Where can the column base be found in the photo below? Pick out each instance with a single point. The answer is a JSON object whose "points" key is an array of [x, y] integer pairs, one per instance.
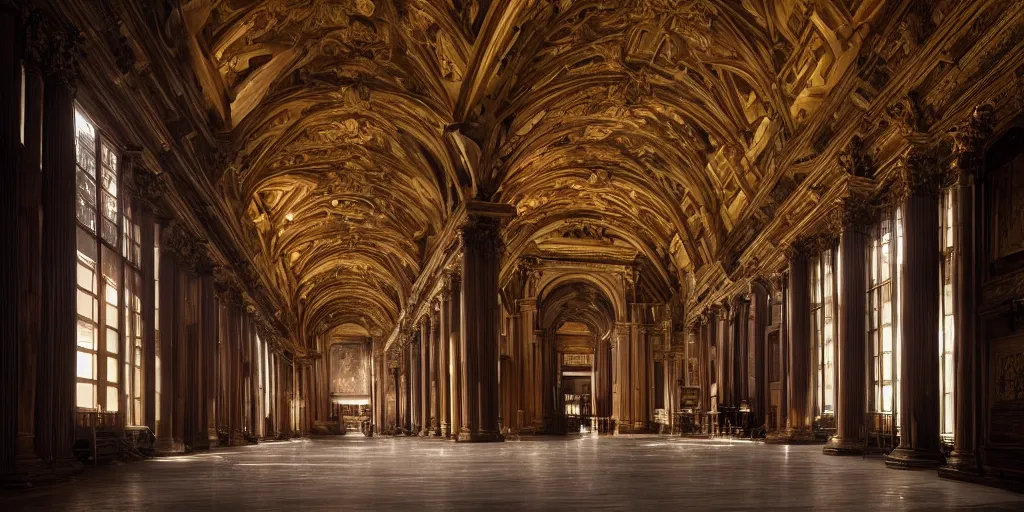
{"points": [[480, 437], [791, 436], [165, 447], [65, 468], [837, 446], [908, 458], [212, 438], [29, 468], [961, 463]]}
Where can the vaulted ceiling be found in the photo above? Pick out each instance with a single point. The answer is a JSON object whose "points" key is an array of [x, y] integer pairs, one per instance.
{"points": [[647, 130]]}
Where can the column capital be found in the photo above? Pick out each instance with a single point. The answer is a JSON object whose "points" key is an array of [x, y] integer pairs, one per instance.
{"points": [[969, 145], [853, 212], [452, 281], [919, 173], [189, 250], [800, 247], [855, 161], [53, 49]]}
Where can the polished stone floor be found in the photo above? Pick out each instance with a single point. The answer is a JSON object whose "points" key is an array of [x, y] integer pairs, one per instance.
{"points": [[622, 473]]}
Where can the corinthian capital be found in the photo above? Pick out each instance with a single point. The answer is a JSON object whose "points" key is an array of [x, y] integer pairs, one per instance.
{"points": [[969, 143], [918, 173], [53, 49], [853, 212]]}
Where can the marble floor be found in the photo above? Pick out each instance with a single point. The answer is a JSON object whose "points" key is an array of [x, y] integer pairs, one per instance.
{"points": [[621, 473]]}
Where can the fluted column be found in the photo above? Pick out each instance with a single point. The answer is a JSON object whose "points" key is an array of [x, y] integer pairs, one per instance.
{"points": [[422, 357], [919, 318], [208, 348], [798, 417], [55, 379], [530, 387], [435, 366], [30, 271], [851, 219], [481, 261], [10, 179], [969, 144], [444, 391], [454, 283]]}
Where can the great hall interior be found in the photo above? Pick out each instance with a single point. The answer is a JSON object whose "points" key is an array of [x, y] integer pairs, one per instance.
{"points": [[757, 233]]}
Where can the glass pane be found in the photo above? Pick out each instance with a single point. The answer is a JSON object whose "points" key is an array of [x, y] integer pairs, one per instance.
{"points": [[86, 365], [111, 318], [109, 207], [86, 335], [109, 168], [85, 143], [112, 370], [86, 395], [109, 232], [112, 338], [85, 201], [87, 306], [112, 398]]}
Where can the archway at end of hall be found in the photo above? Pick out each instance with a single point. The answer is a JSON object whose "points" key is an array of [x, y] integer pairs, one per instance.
{"points": [[577, 320]]}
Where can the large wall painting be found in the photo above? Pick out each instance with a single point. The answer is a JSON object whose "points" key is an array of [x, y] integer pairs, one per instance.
{"points": [[349, 371]]}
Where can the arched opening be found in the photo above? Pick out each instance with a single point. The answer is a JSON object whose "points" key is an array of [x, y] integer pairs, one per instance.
{"points": [[577, 320]]}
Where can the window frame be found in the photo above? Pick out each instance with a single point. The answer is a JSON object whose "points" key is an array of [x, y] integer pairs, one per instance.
{"points": [[108, 266]]}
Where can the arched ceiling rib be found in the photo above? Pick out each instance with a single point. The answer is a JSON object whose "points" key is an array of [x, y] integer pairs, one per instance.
{"points": [[643, 128]]}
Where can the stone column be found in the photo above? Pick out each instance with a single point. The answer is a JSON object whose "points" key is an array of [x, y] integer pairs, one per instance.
{"points": [[741, 351], [412, 380], [55, 379], [529, 391], [969, 146], [435, 365], [10, 179], [481, 262], [30, 271], [208, 347], [851, 220], [444, 391], [798, 416], [454, 336], [424, 377], [919, 315]]}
